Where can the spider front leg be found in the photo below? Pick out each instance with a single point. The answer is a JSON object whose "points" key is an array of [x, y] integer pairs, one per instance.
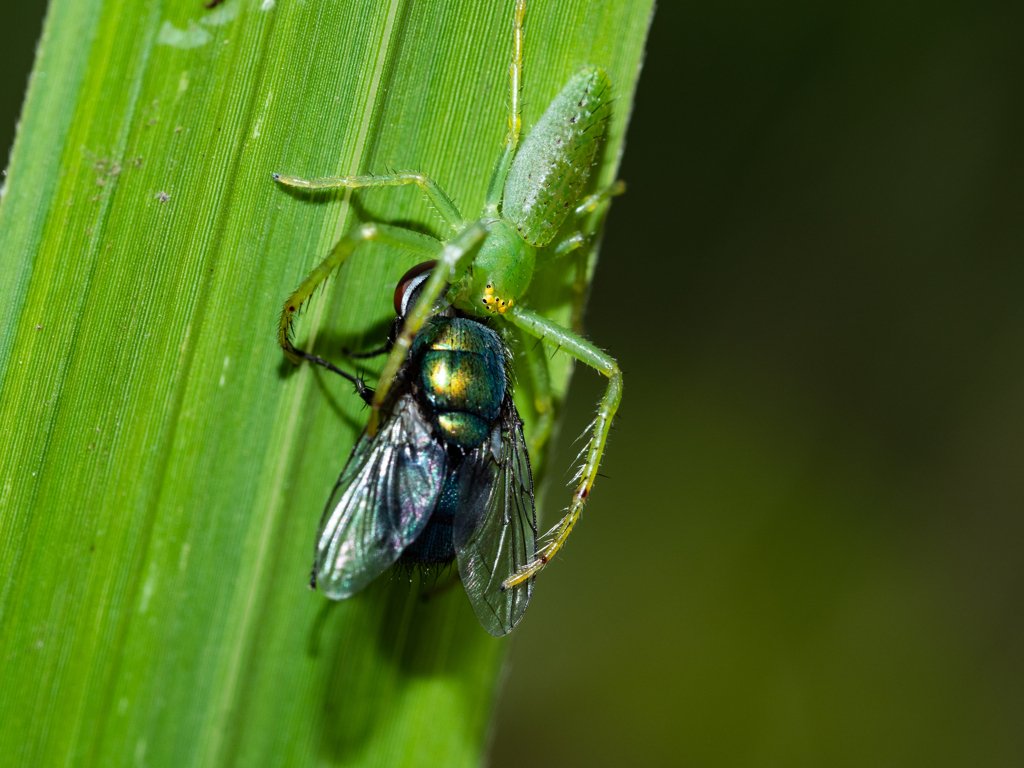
{"points": [[585, 352], [456, 256], [437, 196], [515, 120], [406, 239], [578, 239]]}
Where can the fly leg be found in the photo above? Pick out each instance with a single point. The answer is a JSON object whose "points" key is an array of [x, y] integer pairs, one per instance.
{"points": [[364, 392], [361, 389], [408, 240], [364, 355], [585, 352], [448, 210], [578, 239], [453, 260]]}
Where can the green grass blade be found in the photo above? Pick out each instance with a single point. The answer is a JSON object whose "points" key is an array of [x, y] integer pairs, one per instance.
{"points": [[162, 470]]}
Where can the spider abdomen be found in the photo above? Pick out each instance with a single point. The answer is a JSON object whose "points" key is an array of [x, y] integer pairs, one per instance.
{"points": [[553, 165]]}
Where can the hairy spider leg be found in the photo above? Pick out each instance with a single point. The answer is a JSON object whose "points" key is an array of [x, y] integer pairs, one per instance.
{"points": [[515, 120], [585, 352], [578, 239], [448, 210], [406, 239], [453, 261]]}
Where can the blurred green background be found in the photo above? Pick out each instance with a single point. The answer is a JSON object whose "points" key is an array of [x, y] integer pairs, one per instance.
{"points": [[808, 551]]}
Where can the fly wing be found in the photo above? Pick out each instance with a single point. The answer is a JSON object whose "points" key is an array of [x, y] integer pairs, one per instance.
{"points": [[496, 524], [381, 503]]}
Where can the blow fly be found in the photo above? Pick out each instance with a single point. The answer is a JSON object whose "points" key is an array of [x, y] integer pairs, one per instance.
{"points": [[446, 477]]}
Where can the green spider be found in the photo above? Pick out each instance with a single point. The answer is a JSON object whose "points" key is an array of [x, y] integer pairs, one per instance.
{"points": [[485, 268]]}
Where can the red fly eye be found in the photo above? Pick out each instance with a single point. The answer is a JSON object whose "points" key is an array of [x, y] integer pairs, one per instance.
{"points": [[409, 280]]}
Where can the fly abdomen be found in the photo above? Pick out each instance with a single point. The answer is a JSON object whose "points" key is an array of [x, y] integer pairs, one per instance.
{"points": [[435, 544]]}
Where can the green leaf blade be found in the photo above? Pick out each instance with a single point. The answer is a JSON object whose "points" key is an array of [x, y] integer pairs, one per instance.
{"points": [[163, 471]]}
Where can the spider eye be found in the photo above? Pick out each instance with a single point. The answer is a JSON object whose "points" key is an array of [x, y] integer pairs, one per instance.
{"points": [[408, 287]]}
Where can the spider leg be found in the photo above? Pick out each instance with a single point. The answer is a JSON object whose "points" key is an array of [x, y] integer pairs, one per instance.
{"points": [[515, 119], [591, 203], [585, 352], [407, 239], [437, 196], [576, 242], [455, 257]]}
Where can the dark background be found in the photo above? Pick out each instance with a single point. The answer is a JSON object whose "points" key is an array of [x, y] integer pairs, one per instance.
{"points": [[808, 551]]}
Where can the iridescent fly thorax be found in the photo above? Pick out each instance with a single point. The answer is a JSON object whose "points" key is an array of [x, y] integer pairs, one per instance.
{"points": [[461, 373]]}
